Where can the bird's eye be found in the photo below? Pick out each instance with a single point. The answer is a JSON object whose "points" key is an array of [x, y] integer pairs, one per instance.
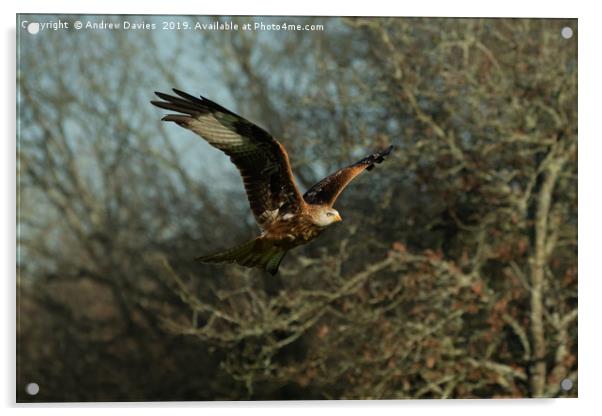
{"points": [[330, 214]]}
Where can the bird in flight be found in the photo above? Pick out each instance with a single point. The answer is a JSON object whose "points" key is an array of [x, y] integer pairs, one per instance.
{"points": [[285, 217]]}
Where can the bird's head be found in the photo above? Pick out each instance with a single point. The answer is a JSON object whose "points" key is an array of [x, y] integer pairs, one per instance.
{"points": [[326, 217]]}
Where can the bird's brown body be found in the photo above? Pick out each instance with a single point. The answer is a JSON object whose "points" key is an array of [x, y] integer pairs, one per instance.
{"points": [[295, 230], [286, 218]]}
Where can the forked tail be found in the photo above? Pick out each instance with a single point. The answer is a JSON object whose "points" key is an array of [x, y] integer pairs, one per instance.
{"points": [[254, 253]]}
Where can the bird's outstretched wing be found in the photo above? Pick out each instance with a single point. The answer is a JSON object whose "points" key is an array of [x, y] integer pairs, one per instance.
{"points": [[328, 189], [262, 161]]}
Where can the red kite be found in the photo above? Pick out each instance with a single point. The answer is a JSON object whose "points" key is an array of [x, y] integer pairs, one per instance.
{"points": [[286, 218]]}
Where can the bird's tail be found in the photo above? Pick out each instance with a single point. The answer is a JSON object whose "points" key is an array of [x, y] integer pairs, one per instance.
{"points": [[254, 253]]}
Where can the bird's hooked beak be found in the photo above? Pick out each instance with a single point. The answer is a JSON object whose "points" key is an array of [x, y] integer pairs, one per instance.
{"points": [[338, 218]]}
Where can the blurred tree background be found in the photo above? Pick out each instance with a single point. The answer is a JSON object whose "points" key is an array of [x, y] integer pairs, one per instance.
{"points": [[453, 275]]}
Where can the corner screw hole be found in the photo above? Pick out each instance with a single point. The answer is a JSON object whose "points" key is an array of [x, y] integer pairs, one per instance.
{"points": [[32, 389]]}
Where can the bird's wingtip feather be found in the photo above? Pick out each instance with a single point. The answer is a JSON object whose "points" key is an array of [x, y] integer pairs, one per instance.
{"points": [[187, 95]]}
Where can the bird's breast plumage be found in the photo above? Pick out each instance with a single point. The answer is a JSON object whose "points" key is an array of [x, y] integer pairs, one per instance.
{"points": [[292, 230]]}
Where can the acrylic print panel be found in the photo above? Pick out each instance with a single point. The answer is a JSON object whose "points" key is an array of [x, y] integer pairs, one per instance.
{"points": [[446, 269]]}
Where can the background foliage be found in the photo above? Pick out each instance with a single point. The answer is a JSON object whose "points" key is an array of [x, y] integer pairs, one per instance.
{"points": [[453, 275]]}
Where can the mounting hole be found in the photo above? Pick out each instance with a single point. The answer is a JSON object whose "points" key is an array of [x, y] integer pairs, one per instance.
{"points": [[566, 32], [32, 389], [566, 384], [33, 28]]}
